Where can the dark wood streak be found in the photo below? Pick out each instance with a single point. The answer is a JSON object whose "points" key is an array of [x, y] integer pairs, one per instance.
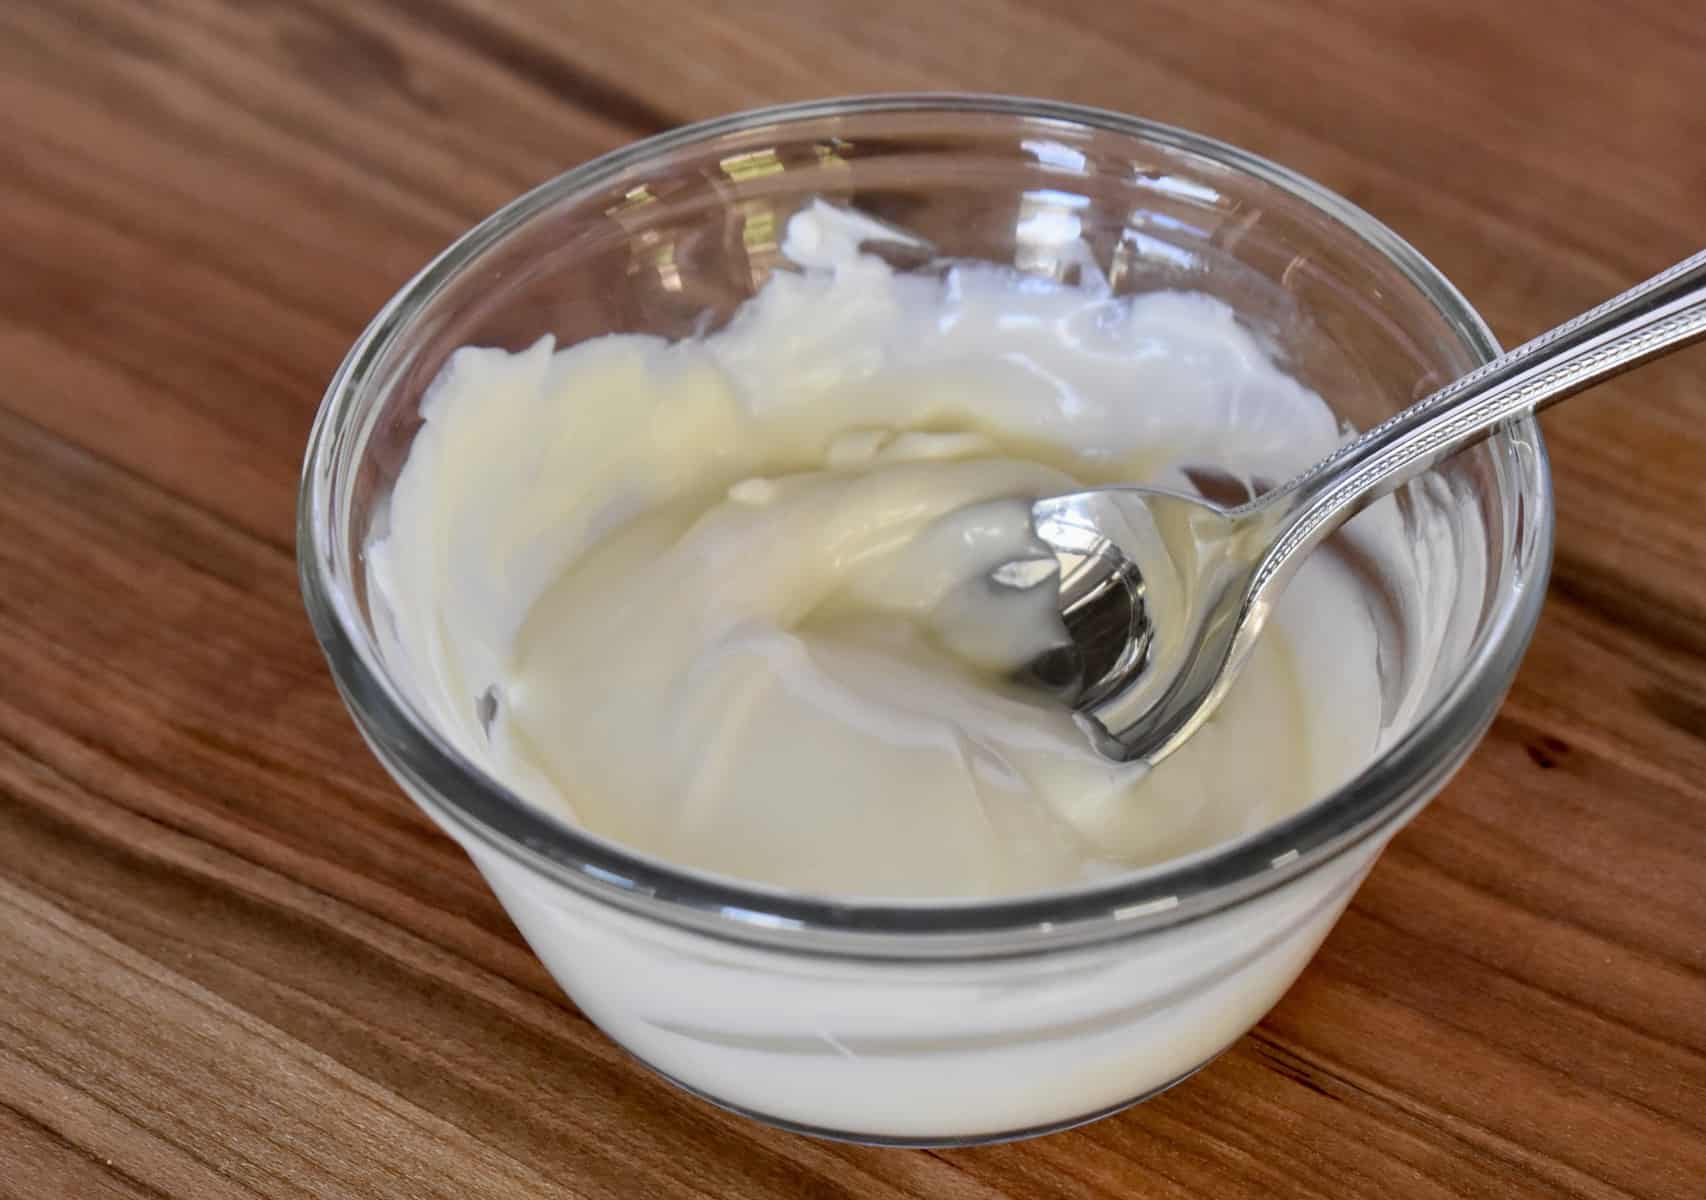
{"points": [[1680, 712], [514, 54], [66, 1164], [350, 59], [235, 962], [1629, 605]]}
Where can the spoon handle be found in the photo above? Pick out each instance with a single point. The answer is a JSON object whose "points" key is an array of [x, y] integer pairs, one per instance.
{"points": [[1650, 318]]}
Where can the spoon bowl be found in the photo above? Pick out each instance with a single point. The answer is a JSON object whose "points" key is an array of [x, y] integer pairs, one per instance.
{"points": [[1150, 589]]}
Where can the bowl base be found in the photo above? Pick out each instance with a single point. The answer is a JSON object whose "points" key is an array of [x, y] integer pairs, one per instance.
{"points": [[919, 1143]]}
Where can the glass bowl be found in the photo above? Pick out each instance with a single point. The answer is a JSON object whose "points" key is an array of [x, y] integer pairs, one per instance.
{"points": [[947, 1022]]}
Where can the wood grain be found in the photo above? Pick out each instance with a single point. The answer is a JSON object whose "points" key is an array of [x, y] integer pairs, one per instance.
{"points": [[234, 962]]}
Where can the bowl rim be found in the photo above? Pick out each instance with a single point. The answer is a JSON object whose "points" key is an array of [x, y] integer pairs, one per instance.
{"points": [[479, 811]]}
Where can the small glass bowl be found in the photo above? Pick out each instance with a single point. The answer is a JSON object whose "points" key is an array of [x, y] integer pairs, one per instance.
{"points": [[939, 1023]]}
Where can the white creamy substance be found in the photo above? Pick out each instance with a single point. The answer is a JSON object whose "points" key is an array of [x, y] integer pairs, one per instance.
{"points": [[725, 600]]}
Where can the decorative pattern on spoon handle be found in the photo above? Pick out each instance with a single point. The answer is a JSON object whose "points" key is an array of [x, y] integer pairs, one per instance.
{"points": [[1509, 361], [1668, 309]]}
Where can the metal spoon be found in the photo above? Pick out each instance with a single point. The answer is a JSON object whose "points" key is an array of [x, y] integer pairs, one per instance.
{"points": [[1164, 593]]}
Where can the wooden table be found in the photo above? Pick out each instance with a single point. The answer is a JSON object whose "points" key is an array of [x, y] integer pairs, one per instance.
{"points": [[234, 962]]}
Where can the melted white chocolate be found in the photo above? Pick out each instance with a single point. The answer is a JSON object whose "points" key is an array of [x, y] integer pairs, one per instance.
{"points": [[727, 601]]}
